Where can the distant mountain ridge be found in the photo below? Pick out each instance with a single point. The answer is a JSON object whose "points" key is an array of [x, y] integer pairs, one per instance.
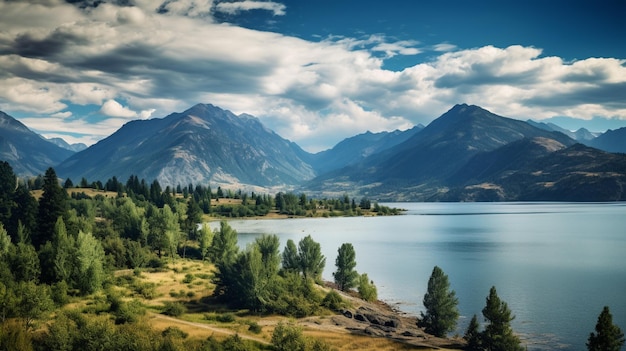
{"points": [[611, 141], [204, 144], [467, 154], [27, 152]]}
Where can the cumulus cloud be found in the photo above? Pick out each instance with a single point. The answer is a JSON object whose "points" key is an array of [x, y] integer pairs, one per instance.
{"points": [[113, 108], [235, 7], [165, 56]]}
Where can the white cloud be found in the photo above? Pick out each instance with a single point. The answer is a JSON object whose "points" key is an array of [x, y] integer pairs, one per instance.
{"points": [[315, 93], [113, 108], [235, 7]]}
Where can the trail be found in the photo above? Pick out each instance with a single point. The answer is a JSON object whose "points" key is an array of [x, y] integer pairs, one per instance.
{"points": [[209, 327]]}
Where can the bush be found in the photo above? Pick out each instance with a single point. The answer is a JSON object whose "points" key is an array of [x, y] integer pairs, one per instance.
{"points": [[129, 312], [255, 328], [188, 278], [174, 332], [174, 309], [225, 318], [333, 301], [147, 290]]}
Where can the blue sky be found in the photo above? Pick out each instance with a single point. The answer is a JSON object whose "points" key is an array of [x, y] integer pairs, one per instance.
{"points": [[316, 72]]}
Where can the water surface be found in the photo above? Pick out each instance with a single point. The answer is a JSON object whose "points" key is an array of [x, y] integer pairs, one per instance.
{"points": [[555, 264]]}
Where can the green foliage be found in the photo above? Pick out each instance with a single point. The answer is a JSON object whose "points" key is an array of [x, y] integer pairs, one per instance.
{"points": [[89, 264], [441, 305], [290, 257], [174, 309], [15, 336], [32, 301], [8, 181], [498, 334], [346, 276], [255, 328], [472, 335], [608, 336], [24, 263], [333, 301], [205, 239], [367, 289], [288, 337], [310, 258], [52, 205]]}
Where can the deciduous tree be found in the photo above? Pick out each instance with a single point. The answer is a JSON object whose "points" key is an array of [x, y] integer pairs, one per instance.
{"points": [[311, 260], [366, 288], [441, 305]]}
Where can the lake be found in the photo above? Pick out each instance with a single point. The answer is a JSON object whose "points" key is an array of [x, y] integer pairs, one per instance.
{"points": [[555, 264]]}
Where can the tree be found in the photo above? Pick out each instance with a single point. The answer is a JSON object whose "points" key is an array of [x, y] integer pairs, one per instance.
{"points": [[25, 264], [498, 334], [472, 335], [205, 238], [288, 337], [311, 260], [441, 305], [24, 214], [608, 336], [33, 301], [290, 257], [52, 205], [346, 276], [89, 264], [366, 288], [63, 251], [8, 183], [224, 247]]}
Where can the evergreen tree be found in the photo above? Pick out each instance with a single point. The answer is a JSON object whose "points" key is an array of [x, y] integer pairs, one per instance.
{"points": [[441, 305], [346, 276], [310, 257], [24, 213], [498, 334], [63, 251], [608, 336], [472, 335], [8, 183], [52, 205]]}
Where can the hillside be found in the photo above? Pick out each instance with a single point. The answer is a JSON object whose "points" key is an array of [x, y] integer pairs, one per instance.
{"points": [[611, 141], [28, 152]]}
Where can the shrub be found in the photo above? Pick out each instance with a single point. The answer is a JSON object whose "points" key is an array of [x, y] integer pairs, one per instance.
{"points": [[255, 328], [188, 278], [174, 309], [333, 301]]}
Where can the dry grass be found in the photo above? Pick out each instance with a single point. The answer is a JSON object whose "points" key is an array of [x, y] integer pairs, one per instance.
{"points": [[202, 319]]}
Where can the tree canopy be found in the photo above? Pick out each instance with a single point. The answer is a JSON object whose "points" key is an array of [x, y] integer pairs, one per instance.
{"points": [[441, 305], [608, 336]]}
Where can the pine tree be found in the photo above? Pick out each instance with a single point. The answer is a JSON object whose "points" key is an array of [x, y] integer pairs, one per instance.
{"points": [[472, 335], [346, 276], [52, 205], [608, 336], [8, 183], [441, 305], [498, 334]]}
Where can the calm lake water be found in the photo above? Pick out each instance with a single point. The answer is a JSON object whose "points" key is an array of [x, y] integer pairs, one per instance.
{"points": [[555, 264]]}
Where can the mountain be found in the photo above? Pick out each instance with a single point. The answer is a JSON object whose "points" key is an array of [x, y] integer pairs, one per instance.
{"points": [[28, 153], [582, 134], [204, 144], [353, 150], [423, 165], [64, 144], [611, 141]]}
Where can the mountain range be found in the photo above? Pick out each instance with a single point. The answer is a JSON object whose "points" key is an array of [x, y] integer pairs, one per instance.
{"points": [[467, 154]]}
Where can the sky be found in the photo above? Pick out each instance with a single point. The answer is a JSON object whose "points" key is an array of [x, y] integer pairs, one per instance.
{"points": [[314, 71]]}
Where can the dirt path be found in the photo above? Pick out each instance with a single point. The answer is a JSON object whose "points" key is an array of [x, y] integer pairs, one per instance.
{"points": [[208, 327]]}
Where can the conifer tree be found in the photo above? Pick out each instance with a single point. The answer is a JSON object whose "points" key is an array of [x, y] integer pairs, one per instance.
{"points": [[498, 334], [346, 276], [473, 335], [608, 336], [52, 205], [290, 257], [441, 305]]}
